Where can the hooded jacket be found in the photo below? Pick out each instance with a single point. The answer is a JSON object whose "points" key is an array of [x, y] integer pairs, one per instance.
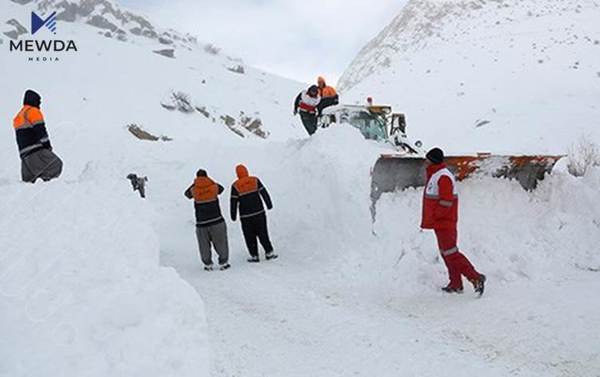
{"points": [[325, 90], [248, 193], [205, 193], [30, 127], [440, 199]]}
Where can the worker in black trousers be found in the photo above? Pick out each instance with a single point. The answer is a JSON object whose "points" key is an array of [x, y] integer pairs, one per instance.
{"points": [[248, 193]]}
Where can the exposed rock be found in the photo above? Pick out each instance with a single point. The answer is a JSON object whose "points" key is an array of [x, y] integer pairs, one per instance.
{"points": [[149, 33], [212, 49], [237, 69], [229, 121], [178, 101], [168, 52], [141, 134], [202, 110], [11, 34], [165, 41], [106, 15], [136, 31], [253, 125], [481, 123], [102, 23], [17, 31]]}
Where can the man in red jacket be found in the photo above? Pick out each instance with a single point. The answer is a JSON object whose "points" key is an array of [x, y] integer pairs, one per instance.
{"points": [[440, 213]]}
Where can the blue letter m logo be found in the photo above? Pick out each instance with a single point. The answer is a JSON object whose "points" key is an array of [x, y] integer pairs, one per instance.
{"points": [[37, 23]]}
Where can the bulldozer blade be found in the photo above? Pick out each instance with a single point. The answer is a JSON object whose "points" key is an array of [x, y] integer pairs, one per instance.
{"points": [[396, 172]]}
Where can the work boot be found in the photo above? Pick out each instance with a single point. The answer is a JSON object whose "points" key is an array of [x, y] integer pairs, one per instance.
{"points": [[253, 259], [449, 289], [479, 284], [271, 255]]}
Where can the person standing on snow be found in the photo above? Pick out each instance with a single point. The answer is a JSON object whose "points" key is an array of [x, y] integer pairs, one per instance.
{"points": [[210, 224], [307, 103], [37, 158], [329, 96], [440, 213], [249, 193]]}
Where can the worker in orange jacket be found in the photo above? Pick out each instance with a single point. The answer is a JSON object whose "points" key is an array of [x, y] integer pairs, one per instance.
{"points": [[211, 230], [440, 213], [37, 158], [329, 96], [248, 194]]}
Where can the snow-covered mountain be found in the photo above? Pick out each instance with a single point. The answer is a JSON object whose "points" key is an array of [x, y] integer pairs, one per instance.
{"points": [[501, 76], [95, 281], [197, 83], [110, 20]]}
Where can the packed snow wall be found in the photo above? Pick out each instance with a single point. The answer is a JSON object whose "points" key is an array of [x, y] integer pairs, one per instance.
{"points": [[81, 289]]}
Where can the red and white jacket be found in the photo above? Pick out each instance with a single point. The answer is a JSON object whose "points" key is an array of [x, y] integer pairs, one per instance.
{"points": [[440, 199], [307, 103]]}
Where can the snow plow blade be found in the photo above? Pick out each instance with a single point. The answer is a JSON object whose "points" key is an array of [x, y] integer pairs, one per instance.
{"points": [[395, 172]]}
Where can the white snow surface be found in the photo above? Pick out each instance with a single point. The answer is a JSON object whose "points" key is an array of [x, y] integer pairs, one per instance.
{"points": [[95, 282], [502, 76], [342, 301], [82, 292]]}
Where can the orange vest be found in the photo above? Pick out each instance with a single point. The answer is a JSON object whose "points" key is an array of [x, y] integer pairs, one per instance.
{"points": [[246, 185], [327, 91], [27, 117], [205, 190]]}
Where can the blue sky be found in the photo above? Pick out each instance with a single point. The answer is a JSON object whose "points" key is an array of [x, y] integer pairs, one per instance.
{"points": [[296, 39]]}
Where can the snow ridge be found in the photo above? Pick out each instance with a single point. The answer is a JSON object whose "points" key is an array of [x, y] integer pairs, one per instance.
{"points": [[504, 76], [423, 23]]}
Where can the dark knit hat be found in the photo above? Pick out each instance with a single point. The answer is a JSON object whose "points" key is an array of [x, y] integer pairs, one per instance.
{"points": [[31, 98], [436, 155], [201, 173]]}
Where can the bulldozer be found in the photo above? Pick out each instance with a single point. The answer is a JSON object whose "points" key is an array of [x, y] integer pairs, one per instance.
{"points": [[404, 166]]}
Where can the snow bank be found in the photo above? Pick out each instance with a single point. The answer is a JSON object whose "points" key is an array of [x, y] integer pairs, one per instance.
{"points": [[81, 290], [508, 233], [340, 290]]}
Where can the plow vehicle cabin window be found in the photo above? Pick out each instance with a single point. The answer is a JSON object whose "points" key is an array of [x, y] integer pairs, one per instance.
{"points": [[372, 126]]}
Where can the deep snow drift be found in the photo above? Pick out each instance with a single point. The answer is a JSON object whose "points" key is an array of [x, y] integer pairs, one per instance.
{"points": [[82, 291]]}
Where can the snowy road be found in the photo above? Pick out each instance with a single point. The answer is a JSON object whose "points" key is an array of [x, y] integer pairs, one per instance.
{"points": [[340, 302], [296, 317]]}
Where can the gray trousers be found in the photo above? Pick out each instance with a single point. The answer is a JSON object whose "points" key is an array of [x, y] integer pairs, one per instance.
{"points": [[215, 235], [42, 164]]}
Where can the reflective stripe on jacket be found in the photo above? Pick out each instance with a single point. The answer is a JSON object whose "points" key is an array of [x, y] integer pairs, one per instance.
{"points": [[248, 193], [205, 193], [30, 130], [440, 199]]}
